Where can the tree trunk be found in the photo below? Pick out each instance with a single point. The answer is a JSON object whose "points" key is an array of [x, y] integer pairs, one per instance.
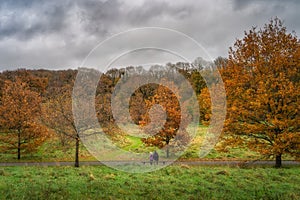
{"points": [[168, 152], [19, 145], [278, 163], [77, 153]]}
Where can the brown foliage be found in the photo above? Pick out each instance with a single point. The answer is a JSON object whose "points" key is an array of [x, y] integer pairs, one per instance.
{"points": [[20, 109], [262, 80], [166, 119]]}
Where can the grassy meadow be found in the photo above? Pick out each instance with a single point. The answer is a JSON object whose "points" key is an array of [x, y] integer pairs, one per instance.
{"points": [[173, 182], [52, 150]]}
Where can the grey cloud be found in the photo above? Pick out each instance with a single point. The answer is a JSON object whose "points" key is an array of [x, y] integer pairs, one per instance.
{"points": [[243, 4], [8, 4], [35, 32], [287, 10], [277, 5], [99, 16], [26, 19], [149, 11]]}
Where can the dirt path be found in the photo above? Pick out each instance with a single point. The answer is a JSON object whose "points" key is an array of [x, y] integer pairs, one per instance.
{"points": [[199, 163]]}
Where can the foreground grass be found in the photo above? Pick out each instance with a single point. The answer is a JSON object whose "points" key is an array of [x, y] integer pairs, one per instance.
{"points": [[174, 182]]}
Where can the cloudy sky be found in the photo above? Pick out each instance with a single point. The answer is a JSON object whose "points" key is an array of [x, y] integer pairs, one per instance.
{"points": [[60, 34]]}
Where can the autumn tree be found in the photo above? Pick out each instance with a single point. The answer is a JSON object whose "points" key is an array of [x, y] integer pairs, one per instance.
{"points": [[103, 98], [205, 106], [58, 116], [21, 129], [214, 87], [137, 103], [165, 120], [262, 81]]}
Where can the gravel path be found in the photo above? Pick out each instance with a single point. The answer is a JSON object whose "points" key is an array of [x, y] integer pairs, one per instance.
{"points": [[199, 163]]}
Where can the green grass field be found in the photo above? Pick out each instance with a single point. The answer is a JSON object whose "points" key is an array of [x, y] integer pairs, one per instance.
{"points": [[173, 182], [53, 151]]}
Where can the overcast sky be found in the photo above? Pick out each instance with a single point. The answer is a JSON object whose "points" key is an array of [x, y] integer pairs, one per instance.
{"points": [[59, 34]]}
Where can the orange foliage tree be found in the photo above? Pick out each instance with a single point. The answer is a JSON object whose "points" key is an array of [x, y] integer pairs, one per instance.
{"points": [[164, 128], [21, 130], [205, 106], [262, 81]]}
